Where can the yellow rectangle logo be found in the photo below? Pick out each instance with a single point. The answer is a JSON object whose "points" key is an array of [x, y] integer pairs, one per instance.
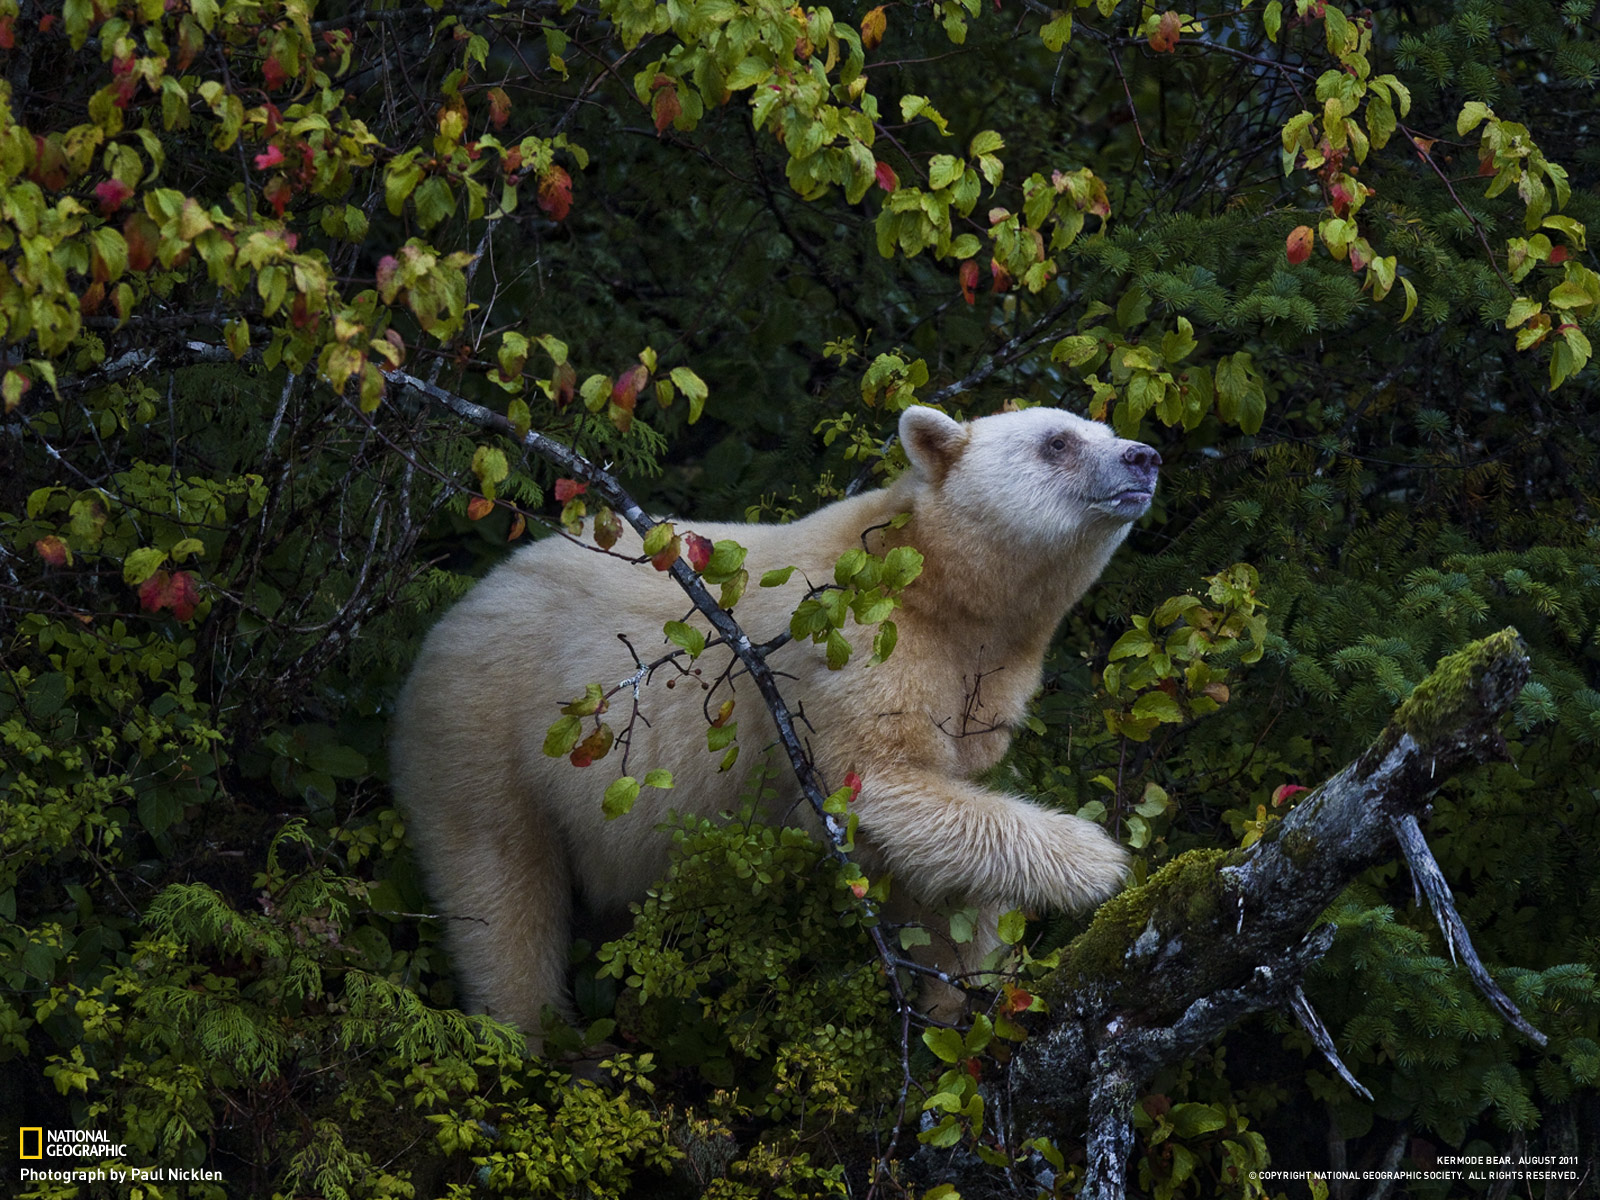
{"points": [[38, 1141]]}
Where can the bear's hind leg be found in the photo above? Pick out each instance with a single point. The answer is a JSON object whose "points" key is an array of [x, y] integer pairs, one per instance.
{"points": [[506, 891]]}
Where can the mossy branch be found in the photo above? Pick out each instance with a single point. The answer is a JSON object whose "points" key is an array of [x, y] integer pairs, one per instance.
{"points": [[1214, 935]]}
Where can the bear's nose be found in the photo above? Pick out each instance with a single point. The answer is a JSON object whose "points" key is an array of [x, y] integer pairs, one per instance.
{"points": [[1140, 455]]}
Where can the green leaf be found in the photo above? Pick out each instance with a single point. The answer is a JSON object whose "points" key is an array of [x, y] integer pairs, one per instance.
{"points": [[1192, 1120], [884, 641], [659, 537], [1157, 706], [561, 737], [1473, 113], [141, 564], [1057, 31], [342, 762], [986, 142], [947, 1044], [914, 935], [1521, 309], [943, 170], [1075, 350], [1136, 643], [619, 797], [777, 577], [685, 636], [1240, 395], [692, 386], [658, 778], [850, 562], [1013, 927], [727, 560], [838, 650]]}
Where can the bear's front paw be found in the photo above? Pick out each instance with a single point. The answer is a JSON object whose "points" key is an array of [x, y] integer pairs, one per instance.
{"points": [[1096, 866]]}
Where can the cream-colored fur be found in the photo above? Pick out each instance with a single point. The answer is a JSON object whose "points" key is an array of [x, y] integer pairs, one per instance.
{"points": [[1016, 515]]}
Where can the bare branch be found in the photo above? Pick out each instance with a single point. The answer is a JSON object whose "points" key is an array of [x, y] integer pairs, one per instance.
{"points": [[1425, 871]]}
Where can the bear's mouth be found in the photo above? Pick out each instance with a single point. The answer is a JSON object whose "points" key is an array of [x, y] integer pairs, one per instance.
{"points": [[1130, 502], [1130, 496]]}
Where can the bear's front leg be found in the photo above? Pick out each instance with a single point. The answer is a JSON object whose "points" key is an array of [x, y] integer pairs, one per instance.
{"points": [[947, 838]]}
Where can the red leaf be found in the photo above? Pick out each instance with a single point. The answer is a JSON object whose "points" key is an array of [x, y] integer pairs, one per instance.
{"points": [[853, 782], [112, 194], [1001, 276], [387, 266], [518, 524], [886, 177], [478, 508], [150, 592], [8, 39], [1165, 37], [49, 163], [698, 550], [54, 551], [1339, 197], [872, 28], [555, 193], [669, 555], [1558, 254], [144, 241], [278, 194], [859, 889], [969, 280], [564, 383], [499, 107], [272, 71], [182, 595], [625, 392], [566, 489], [607, 528], [1299, 244], [124, 83], [665, 107], [272, 157], [593, 747], [1289, 789], [1016, 1000], [47, 22], [175, 590]]}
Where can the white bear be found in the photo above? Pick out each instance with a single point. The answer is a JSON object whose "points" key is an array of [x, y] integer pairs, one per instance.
{"points": [[1015, 514]]}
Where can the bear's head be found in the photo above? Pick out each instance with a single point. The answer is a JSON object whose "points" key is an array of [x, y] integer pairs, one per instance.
{"points": [[1041, 475]]}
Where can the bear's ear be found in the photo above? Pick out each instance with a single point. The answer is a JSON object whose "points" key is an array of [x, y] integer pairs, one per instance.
{"points": [[933, 442]]}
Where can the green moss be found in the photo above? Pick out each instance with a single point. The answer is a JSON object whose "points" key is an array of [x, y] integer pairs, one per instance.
{"points": [[1298, 846], [1447, 698], [1184, 893]]}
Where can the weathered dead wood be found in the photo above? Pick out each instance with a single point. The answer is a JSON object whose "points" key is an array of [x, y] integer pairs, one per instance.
{"points": [[1166, 967]]}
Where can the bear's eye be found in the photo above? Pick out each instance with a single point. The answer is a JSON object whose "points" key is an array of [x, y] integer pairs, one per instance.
{"points": [[1058, 444]]}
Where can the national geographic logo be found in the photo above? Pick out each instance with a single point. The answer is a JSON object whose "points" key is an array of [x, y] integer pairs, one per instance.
{"points": [[36, 1143]]}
